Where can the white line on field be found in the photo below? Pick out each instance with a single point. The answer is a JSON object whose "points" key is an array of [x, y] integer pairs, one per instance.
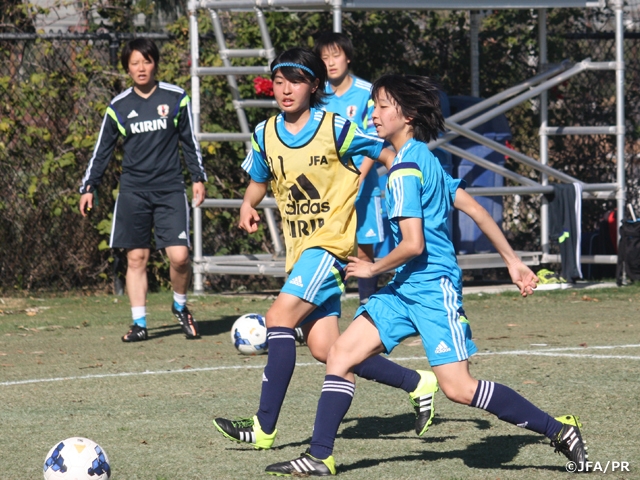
{"points": [[554, 354], [551, 352], [596, 347]]}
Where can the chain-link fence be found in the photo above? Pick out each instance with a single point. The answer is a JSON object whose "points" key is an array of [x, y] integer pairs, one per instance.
{"points": [[587, 99], [54, 91]]}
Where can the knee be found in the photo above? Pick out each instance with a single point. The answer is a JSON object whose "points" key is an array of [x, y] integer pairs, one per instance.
{"points": [[180, 262], [136, 262], [460, 392], [270, 319], [337, 355], [274, 318], [320, 353]]}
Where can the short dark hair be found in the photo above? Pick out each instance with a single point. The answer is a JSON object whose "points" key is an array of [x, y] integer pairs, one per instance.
{"points": [[305, 57], [334, 39], [418, 98], [145, 46]]}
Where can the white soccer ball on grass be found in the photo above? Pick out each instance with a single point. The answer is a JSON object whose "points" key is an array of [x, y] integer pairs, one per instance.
{"points": [[76, 458], [249, 334]]}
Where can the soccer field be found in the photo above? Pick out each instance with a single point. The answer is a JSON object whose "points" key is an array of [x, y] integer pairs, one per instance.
{"points": [[64, 372]]}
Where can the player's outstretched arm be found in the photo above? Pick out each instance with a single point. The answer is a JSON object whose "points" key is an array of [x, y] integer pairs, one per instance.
{"points": [[249, 217], [520, 274], [523, 277]]}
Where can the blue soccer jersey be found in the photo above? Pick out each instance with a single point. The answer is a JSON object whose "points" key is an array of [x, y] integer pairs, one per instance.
{"points": [[350, 142], [417, 174], [357, 106]]}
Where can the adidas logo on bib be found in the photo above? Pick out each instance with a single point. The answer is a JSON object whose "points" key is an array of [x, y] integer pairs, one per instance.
{"points": [[442, 348], [297, 281]]}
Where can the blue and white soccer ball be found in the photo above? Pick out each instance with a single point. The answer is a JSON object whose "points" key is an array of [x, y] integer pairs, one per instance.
{"points": [[249, 334], [76, 458]]}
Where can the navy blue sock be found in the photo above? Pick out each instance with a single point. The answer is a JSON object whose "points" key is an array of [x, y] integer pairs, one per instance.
{"points": [[366, 288], [333, 405], [383, 370], [281, 361], [512, 407]]}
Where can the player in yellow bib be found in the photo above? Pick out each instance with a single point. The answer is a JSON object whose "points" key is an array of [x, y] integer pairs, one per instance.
{"points": [[314, 189], [306, 154]]}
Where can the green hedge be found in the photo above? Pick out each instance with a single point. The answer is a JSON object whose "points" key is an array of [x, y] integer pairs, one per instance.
{"points": [[54, 93]]}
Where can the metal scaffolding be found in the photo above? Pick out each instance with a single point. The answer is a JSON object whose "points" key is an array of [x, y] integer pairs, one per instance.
{"points": [[549, 76]]}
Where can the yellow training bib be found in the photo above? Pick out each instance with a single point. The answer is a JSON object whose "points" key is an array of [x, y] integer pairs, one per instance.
{"points": [[315, 192]]}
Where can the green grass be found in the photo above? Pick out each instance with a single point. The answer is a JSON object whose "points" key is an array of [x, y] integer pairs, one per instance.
{"points": [[64, 372]]}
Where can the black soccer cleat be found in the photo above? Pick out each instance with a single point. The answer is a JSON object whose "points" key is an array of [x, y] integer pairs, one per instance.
{"points": [[569, 442], [299, 334], [304, 466], [246, 430], [422, 400], [135, 334], [187, 322]]}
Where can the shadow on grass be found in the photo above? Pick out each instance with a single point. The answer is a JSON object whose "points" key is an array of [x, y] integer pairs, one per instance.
{"points": [[375, 427], [164, 331], [391, 428], [491, 453], [208, 328]]}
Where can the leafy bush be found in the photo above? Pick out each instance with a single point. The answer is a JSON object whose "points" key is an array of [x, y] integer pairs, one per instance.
{"points": [[54, 93]]}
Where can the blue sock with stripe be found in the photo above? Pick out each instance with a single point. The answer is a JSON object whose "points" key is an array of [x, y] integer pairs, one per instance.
{"points": [[510, 406], [382, 370], [333, 405], [281, 362]]}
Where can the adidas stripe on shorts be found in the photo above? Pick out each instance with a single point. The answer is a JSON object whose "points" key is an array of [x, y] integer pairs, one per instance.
{"points": [[431, 309], [318, 278], [369, 220], [137, 213]]}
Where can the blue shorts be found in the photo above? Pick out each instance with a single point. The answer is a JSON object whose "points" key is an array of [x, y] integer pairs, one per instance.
{"points": [[369, 217], [430, 309], [318, 278]]}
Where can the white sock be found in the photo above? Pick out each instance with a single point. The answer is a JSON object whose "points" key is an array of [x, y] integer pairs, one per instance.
{"points": [[180, 299], [138, 312]]}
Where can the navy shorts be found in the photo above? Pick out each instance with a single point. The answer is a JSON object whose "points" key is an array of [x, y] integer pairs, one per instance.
{"points": [[136, 214]]}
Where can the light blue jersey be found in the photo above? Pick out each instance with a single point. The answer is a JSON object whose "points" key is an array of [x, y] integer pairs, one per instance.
{"points": [[357, 106], [417, 174], [425, 295], [349, 142]]}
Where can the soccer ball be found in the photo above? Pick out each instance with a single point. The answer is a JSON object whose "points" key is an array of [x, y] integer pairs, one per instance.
{"points": [[76, 458], [249, 334]]}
